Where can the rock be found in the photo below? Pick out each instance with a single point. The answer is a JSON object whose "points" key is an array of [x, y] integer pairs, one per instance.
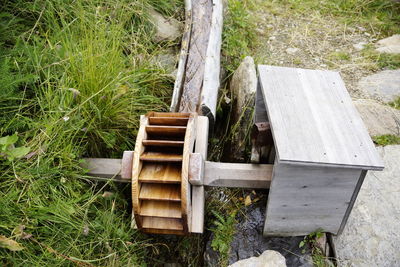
{"points": [[372, 234], [248, 240], [359, 46], [379, 119], [167, 29], [269, 258], [292, 50], [243, 87], [384, 85], [389, 45], [166, 59]]}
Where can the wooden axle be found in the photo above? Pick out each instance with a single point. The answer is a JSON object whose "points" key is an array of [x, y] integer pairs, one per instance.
{"points": [[214, 174]]}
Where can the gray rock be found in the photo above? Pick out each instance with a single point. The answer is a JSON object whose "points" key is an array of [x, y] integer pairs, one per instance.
{"points": [[167, 60], [379, 119], [167, 29], [249, 241], [269, 258], [389, 45], [372, 234], [384, 85]]}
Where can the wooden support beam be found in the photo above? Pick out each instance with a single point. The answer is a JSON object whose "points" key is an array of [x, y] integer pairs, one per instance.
{"points": [[240, 175]]}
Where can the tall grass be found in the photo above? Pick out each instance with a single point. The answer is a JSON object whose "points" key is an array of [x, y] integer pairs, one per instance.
{"points": [[76, 76]]}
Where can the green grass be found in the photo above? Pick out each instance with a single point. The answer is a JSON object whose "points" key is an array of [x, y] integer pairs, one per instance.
{"points": [[73, 85], [387, 139], [238, 36]]}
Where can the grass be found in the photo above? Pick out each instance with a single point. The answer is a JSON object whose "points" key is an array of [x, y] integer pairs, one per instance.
{"points": [[73, 86], [387, 139]]}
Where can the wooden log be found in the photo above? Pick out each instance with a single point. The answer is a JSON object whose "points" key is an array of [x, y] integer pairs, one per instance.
{"points": [[180, 75], [209, 92], [240, 175], [194, 73]]}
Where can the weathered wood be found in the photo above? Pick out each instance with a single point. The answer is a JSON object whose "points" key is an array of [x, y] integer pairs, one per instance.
{"points": [[198, 198], [196, 169], [104, 168], [314, 120], [209, 92], [240, 175], [126, 165], [215, 173], [194, 72], [180, 75], [186, 204], [303, 199]]}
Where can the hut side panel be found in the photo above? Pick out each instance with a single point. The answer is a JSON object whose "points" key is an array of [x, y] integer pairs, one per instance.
{"points": [[303, 199]]}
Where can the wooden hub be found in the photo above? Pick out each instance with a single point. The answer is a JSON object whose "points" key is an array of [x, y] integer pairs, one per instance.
{"points": [[160, 184]]}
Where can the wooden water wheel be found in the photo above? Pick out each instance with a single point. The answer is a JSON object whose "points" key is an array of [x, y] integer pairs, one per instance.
{"points": [[160, 186]]}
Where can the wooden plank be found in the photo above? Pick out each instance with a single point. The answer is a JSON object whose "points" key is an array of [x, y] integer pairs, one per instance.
{"points": [[194, 72], [126, 165], [303, 199], [237, 175], [314, 120], [169, 143], [186, 205], [161, 157], [169, 114], [198, 198], [196, 169], [103, 168], [169, 192], [166, 130], [137, 167], [352, 201], [180, 75], [209, 92], [166, 209], [160, 173], [162, 223], [178, 121]]}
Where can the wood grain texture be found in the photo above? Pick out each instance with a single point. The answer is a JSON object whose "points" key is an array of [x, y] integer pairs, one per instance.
{"points": [[166, 130], [178, 121], [126, 165], [209, 92], [137, 167], [180, 74], [196, 169], [240, 175], [314, 120], [170, 143], [186, 204], [161, 157], [194, 72], [170, 192], [162, 223], [303, 199], [103, 167], [166, 209], [160, 173], [198, 198]]}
